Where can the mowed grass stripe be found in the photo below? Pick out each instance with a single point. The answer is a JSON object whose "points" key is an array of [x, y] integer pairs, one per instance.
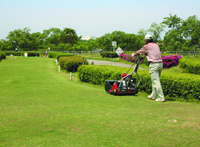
{"points": [[41, 107]]}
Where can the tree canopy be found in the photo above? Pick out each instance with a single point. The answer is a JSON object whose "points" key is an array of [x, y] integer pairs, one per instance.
{"points": [[179, 35]]}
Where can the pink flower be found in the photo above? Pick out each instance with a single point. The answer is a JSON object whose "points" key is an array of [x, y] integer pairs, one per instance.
{"points": [[171, 60]]}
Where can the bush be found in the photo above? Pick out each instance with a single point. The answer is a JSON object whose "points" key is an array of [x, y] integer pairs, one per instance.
{"points": [[185, 86], [14, 53], [2, 56], [33, 54], [71, 63], [58, 55], [190, 65], [129, 58], [98, 74], [179, 85], [30, 54], [109, 54], [168, 61]]}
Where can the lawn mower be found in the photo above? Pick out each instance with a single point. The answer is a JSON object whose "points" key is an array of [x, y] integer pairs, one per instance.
{"points": [[127, 85]]}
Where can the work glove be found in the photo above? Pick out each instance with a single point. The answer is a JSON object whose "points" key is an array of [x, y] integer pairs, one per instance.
{"points": [[133, 55]]}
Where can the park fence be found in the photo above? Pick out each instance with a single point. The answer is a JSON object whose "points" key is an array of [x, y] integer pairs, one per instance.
{"points": [[183, 53]]}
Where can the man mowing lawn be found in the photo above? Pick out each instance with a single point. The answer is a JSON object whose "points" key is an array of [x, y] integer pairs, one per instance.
{"points": [[153, 54]]}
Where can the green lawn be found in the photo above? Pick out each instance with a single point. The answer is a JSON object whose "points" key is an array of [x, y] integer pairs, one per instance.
{"points": [[41, 107]]}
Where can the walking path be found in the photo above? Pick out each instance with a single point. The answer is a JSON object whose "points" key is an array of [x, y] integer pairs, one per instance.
{"points": [[100, 62]]}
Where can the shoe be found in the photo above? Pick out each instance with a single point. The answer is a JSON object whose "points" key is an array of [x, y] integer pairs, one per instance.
{"points": [[159, 100], [149, 97]]}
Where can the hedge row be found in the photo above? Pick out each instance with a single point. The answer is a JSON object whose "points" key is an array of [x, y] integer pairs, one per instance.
{"points": [[2, 56], [30, 54], [190, 65], [185, 86], [98, 74], [109, 54], [14, 53], [58, 55], [33, 54], [71, 63]]}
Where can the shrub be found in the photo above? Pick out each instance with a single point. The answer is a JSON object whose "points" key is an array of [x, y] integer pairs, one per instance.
{"points": [[179, 85], [14, 53], [30, 54], [2, 56], [185, 86], [98, 74], [109, 54], [33, 54], [168, 61], [128, 57], [71, 63], [190, 65], [58, 55]]}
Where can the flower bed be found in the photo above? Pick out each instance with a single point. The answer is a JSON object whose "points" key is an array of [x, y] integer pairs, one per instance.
{"points": [[168, 61], [128, 57]]}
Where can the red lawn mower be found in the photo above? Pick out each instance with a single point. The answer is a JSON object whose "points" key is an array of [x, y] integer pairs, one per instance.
{"points": [[127, 85]]}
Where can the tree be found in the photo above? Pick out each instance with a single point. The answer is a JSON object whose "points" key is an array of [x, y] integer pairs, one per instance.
{"points": [[5, 45], [173, 22], [69, 35], [156, 30], [104, 42], [173, 39], [191, 31], [35, 41], [142, 32], [20, 39], [51, 36], [125, 41]]}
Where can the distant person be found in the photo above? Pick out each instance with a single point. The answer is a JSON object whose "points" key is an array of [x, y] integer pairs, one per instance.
{"points": [[153, 55], [16, 49]]}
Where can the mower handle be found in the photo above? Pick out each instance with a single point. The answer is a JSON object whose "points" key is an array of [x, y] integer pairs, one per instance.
{"points": [[138, 62]]}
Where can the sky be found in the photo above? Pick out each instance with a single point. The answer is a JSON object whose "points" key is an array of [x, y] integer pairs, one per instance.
{"points": [[90, 17]]}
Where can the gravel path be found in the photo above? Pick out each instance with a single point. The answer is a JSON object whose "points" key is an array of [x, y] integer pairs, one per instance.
{"points": [[99, 62]]}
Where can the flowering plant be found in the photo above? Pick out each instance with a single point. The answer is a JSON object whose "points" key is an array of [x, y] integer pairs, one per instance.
{"points": [[127, 57], [168, 61]]}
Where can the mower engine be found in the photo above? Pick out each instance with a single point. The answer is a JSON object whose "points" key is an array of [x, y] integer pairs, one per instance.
{"points": [[126, 86]]}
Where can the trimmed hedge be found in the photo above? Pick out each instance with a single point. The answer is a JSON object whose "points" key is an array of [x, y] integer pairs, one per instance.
{"points": [[98, 74], [109, 54], [2, 56], [14, 53], [190, 65], [71, 63], [58, 55], [180, 85], [30, 54], [184, 86], [33, 54]]}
